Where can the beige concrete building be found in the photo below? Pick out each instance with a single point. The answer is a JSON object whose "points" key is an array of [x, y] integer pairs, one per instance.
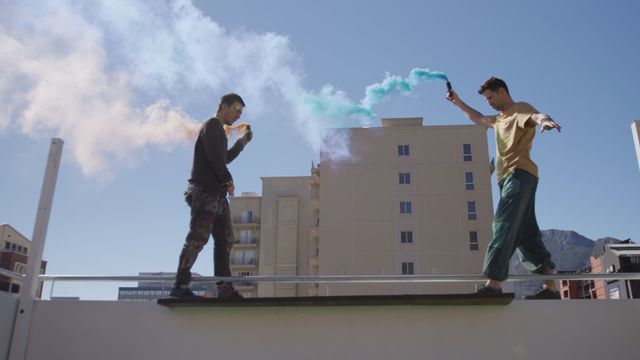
{"points": [[413, 199], [284, 235], [245, 216]]}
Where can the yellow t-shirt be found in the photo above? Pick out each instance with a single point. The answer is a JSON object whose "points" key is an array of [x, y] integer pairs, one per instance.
{"points": [[515, 131]]}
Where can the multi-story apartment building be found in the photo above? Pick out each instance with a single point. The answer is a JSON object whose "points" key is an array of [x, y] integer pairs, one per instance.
{"points": [[412, 199], [14, 253], [619, 257], [577, 289]]}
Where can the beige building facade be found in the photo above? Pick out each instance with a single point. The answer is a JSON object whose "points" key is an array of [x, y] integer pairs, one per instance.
{"points": [[246, 220], [412, 200]]}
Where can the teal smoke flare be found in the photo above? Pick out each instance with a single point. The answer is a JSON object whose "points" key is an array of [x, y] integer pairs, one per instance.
{"points": [[336, 105]]}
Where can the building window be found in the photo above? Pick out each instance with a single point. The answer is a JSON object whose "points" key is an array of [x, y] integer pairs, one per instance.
{"points": [[7, 245], [473, 240], [407, 268], [466, 151], [405, 178], [20, 268], [471, 210], [468, 180], [405, 207], [403, 150], [245, 236], [244, 258], [247, 216], [406, 237]]}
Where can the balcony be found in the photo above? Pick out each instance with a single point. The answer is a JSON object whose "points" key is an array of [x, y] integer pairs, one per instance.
{"points": [[315, 198], [244, 263], [247, 286], [315, 173], [314, 260], [242, 221], [314, 231], [239, 242]]}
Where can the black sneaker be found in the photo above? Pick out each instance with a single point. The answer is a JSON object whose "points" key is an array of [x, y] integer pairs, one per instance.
{"points": [[183, 294], [544, 294], [227, 292], [488, 291]]}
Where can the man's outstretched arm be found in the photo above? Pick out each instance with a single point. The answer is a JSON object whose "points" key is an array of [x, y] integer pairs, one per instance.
{"points": [[545, 121], [473, 114]]}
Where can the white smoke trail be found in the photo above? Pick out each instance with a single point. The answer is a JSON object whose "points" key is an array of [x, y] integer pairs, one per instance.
{"points": [[100, 74]]}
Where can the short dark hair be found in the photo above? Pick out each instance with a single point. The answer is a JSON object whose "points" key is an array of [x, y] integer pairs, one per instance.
{"points": [[493, 84], [230, 99]]}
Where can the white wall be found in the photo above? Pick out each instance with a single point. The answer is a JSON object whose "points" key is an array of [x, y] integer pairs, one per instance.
{"points": [[522, 330], [8, 308]]}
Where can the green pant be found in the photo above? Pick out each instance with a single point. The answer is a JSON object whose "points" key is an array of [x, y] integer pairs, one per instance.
{"points": [[515, 228]]}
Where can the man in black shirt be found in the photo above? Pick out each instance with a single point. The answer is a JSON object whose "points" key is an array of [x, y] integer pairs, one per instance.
{"points": [[207, 196]]}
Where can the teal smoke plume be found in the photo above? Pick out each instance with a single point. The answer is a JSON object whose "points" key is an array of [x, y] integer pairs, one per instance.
{"points": [[336, 105]]}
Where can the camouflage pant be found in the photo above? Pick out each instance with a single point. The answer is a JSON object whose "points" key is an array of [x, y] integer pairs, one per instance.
{"points": [[210, 215]]}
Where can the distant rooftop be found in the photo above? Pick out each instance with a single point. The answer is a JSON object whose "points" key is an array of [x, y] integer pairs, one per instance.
{"points": [[413, 121]]}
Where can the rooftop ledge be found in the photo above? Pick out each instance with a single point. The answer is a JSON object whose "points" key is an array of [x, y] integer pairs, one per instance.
{"points": [[523, 330], [354, 300]]}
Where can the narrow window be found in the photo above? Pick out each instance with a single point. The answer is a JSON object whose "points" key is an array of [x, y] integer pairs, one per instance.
{"points": [[473, 240], [468, 180], [406, 237], [466, 151], [404, 178], [405, 207], [471, 210], [407, 268]]}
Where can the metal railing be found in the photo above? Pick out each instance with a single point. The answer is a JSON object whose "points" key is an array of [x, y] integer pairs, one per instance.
{"points": [[12, 275], [243, 241], [246, 220], [331, 278], [348, 278]]}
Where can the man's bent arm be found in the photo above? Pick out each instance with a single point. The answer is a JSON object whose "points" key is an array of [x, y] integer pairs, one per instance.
{"points": [[234, 151], [471, 113]]}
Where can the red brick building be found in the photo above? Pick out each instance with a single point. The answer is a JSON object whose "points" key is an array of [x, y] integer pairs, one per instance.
{"points": [[14, 252], [621, 257]]}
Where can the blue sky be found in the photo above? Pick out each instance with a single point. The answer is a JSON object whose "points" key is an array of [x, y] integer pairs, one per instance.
{"points": [[118, 207]]}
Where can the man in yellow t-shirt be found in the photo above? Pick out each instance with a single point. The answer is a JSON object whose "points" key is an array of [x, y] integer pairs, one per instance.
{"points": [[514, 227]]}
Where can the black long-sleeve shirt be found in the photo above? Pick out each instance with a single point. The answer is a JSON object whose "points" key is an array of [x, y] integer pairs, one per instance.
{"points": [[211, 156]]}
